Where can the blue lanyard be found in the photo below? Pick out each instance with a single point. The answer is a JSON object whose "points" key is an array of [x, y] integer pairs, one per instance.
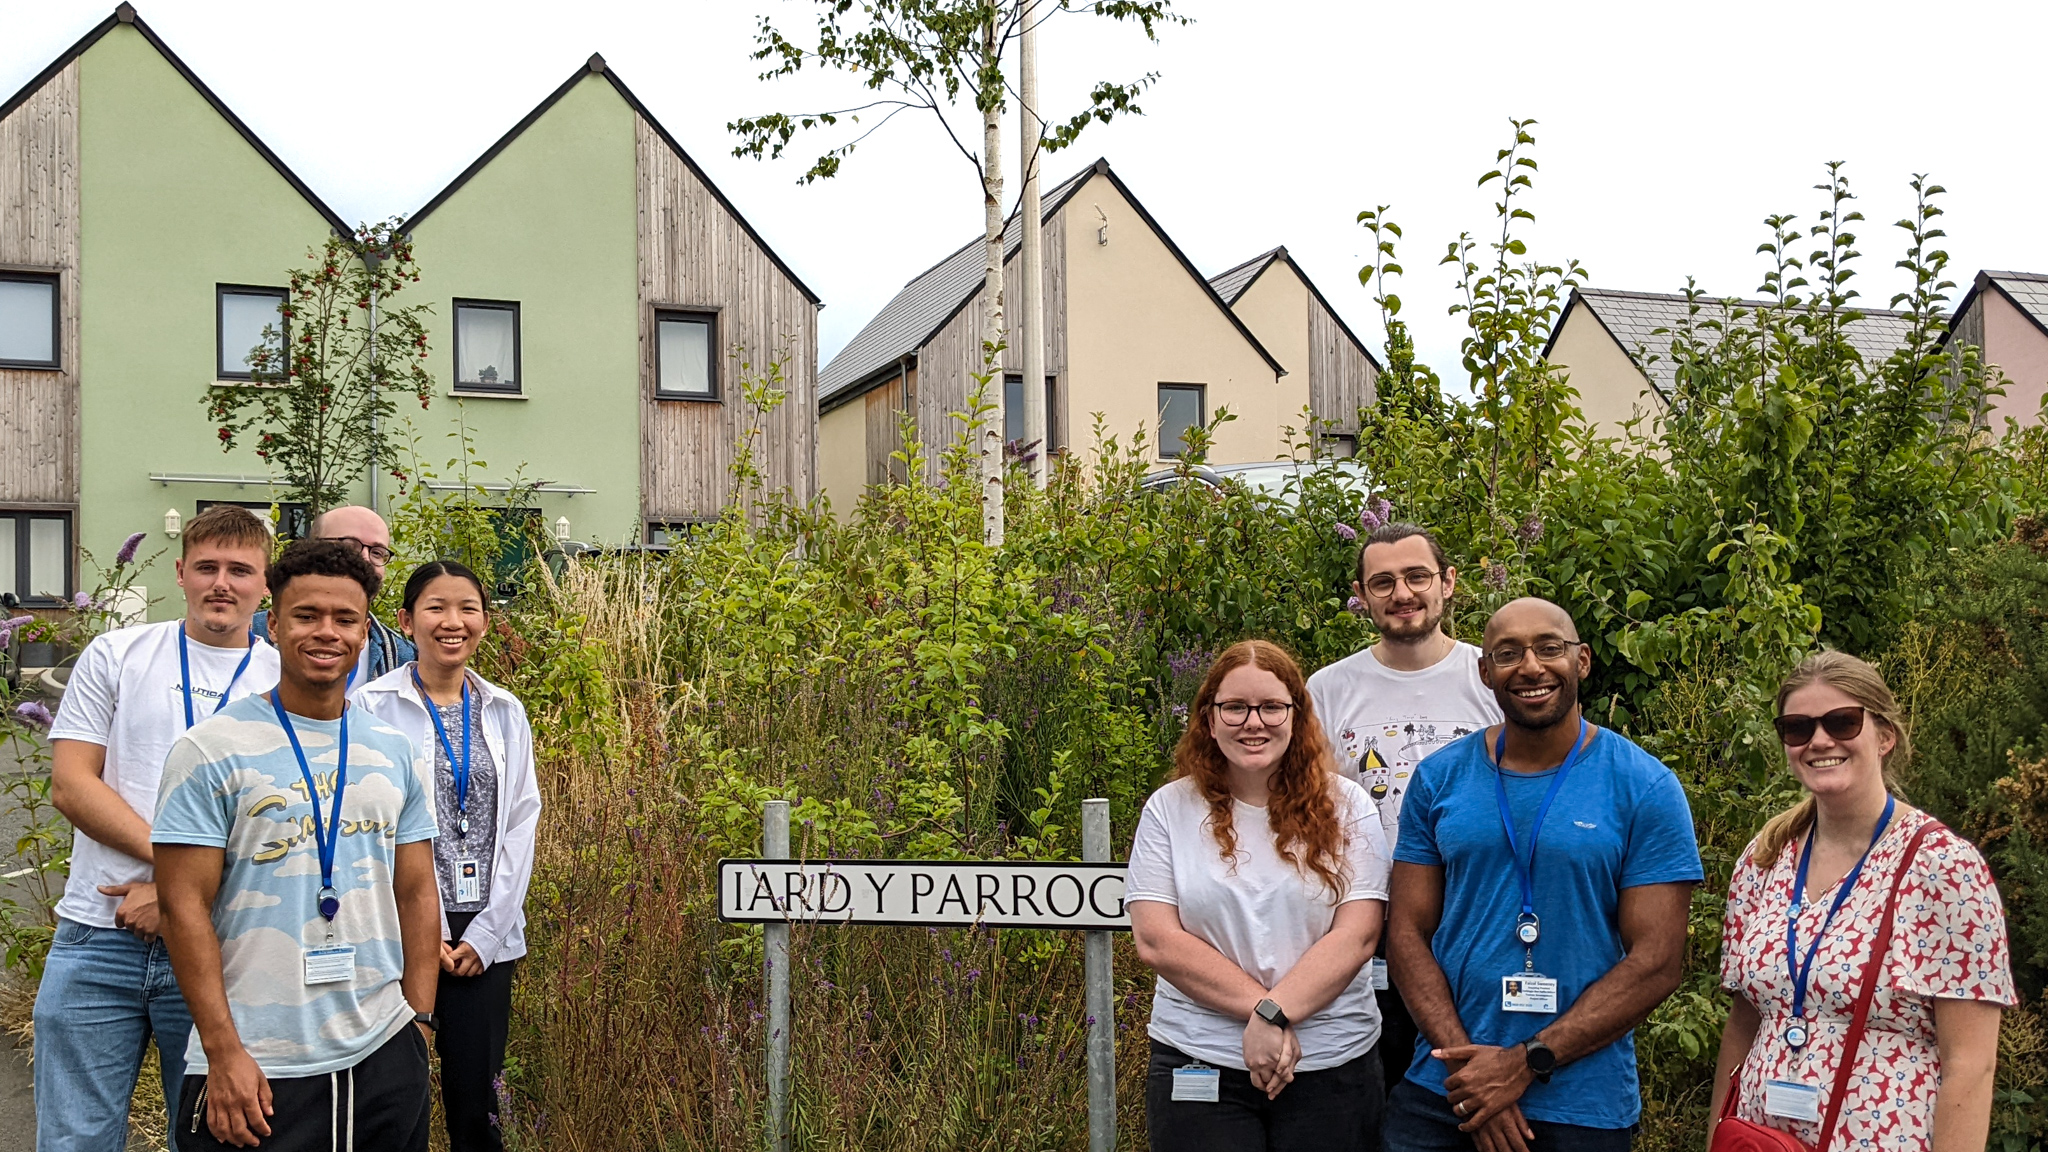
{"points": [[1527, 871], [185, 671], [328, 837], [458, 768], [1800, 969]]}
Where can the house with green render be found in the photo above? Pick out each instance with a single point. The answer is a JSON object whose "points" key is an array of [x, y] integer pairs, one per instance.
{"points": [[598, 308]]}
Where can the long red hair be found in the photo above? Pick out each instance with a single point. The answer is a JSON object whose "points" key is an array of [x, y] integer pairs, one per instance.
{"points": [[1301, 806]]}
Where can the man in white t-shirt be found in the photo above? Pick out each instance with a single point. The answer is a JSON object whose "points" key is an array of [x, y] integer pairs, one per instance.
{"points": [[1387, 708], [107, 987]]}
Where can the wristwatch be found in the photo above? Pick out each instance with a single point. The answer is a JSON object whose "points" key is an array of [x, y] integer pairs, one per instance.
{"points": [[1271, 1014], [1542, 1061], [432, 1022]]}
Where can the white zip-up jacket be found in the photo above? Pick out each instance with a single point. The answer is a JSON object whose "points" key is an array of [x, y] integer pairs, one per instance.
{"points": [[499, 931]]}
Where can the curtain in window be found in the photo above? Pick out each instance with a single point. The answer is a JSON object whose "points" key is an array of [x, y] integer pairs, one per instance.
{"points": [[8, 581], [46, 557], [1180, 408], [485, 351], [243, 317], [685, 357]]}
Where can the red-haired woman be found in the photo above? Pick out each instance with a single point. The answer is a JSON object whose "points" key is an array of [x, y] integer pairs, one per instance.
{"points": [[1257, 886], [1806, 907]]}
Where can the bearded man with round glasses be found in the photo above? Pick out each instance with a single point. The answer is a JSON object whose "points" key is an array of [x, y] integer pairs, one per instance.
{"points": [[1388, 706], [1538, 910]]}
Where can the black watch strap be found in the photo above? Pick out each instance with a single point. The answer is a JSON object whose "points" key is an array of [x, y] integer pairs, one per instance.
{"points": [[432, 1021], [1271, 1014]]}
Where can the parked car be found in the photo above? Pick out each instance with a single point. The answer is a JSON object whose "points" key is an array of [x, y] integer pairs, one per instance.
{"points": [[1280, 479]]}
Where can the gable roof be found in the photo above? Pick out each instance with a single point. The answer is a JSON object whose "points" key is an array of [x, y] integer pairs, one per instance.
{"points": [[596, 66], [2027, 291], [125, 14], [1232, 284], [935, 296], [1631, 319]]}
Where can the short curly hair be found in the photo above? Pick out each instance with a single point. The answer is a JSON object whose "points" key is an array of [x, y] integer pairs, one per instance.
{"points": [[322, 558]]}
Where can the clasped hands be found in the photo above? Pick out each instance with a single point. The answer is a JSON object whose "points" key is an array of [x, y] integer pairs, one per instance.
{"points": [[461, 960], [1485, 1087], [1270, 1055]]}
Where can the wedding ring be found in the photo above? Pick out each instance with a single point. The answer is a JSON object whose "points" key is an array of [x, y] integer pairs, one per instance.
{"points": [[1460, 1109]]}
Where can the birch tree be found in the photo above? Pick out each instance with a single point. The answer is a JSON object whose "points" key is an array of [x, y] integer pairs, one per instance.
{"points": [[942, 59]]}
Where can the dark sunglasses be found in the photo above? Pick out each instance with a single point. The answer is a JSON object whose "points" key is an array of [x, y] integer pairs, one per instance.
{"points": [[1842, 724]]}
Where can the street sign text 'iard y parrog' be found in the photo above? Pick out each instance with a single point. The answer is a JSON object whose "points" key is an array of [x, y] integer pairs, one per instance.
{"points": [[926, 893]]}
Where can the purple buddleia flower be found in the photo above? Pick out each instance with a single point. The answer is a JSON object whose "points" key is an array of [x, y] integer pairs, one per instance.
{"points": [[1532, 529], [1346, 531], [127, 553], [82, 601], [1354, 604], [1497, 576], [7, 628], [1376, 513], [33, 714]]}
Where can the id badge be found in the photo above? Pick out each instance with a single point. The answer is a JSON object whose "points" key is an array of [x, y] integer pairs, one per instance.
{"points": [[1378, 969], [1198, 1083], [1789, 1101], [469, 882], [1528, 992], [330, 965]]}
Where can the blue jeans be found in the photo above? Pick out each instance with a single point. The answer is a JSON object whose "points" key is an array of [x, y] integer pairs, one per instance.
{"points": [[104, 994], [1419, 1120]]}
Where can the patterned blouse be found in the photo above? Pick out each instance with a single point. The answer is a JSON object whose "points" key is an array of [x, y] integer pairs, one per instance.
{"points": [[1948, 942]]}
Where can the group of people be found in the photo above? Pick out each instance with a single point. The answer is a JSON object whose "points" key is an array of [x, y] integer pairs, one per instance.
{"points": [[302, 846], [1421, 901]]}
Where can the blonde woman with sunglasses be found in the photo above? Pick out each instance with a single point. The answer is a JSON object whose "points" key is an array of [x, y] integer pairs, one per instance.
{"points": [[1806, 908]]}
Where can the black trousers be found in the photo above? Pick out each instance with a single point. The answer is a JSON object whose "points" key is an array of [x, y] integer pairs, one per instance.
{"points": [[385, 1097], [476, 1014], [1332, 1110], [1397, 1037]]}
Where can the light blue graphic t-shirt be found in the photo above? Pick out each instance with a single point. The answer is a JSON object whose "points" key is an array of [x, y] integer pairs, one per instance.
{"points": [[232, 782]]}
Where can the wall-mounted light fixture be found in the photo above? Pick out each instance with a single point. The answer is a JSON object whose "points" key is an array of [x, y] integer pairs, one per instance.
{"points": [[562, 528], [173, 523]]}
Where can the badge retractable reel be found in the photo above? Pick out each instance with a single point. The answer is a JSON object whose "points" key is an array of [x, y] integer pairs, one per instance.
{"points": [[1529, 990], [331, 962]]}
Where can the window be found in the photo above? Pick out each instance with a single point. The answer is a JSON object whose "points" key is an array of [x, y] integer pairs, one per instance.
{"points": [[1013, 409], [28, 320], [294, 521], [1180, 408], [1340, 445], [35, 556], [683, 367], [486, 346], [246, 320]]}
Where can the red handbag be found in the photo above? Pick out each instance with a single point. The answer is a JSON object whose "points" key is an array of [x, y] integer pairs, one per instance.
{"points": [[1734, 1134]]}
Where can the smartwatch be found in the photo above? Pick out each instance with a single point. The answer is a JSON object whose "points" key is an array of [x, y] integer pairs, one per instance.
{"points": [[1271, 1014], [431, 1021], [1542, 1061]]}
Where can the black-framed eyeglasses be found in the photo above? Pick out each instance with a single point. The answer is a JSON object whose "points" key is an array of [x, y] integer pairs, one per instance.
{"points": [[1842, 724], [1417, 579], [377, 552], [1236, 712], [1548, 651]]}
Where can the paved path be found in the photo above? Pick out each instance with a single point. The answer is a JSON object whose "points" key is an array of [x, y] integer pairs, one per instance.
{"points": [[17, 1092]]}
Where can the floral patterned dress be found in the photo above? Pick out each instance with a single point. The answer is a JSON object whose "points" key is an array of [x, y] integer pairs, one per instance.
{"points": [[1948, 941]]}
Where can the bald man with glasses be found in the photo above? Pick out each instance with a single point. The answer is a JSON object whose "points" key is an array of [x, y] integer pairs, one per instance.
{"points": [[366, 531]]}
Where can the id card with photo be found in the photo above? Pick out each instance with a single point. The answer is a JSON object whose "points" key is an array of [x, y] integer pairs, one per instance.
{"points": [[1378, 969], [469, 882], [1528, 992], [330, 965]]}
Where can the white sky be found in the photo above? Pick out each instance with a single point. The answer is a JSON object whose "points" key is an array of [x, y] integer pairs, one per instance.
{"points": [[1666, 131]]}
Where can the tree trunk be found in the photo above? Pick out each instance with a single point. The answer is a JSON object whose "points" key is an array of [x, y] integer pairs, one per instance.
{"points": [[992, 305]]}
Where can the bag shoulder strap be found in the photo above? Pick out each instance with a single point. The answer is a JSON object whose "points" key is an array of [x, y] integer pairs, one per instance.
{"points": [[1873, 968]]}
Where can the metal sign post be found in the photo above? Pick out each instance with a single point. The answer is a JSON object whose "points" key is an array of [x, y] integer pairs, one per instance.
{"points": [[775, 891]]}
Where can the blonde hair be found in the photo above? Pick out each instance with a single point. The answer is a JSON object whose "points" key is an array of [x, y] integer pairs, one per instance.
{"points": [[1862, 683]]}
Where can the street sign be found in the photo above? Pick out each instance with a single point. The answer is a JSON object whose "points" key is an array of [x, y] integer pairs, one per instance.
{"points": [[924, 893]]}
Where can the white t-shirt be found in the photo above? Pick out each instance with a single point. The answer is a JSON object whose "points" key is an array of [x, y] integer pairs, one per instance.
{"points": [[126, 694], [1381, 722], [1263, 915]]}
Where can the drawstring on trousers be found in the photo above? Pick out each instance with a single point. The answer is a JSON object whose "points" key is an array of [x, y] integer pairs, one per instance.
{"points": [[334, 1128]]}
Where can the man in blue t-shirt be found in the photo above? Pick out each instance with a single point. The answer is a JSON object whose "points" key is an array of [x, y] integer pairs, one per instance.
{"points": [[295, 866], [1538, 914]]}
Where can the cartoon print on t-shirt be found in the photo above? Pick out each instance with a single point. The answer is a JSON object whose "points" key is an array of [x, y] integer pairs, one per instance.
{"points": [[1386, 755]]}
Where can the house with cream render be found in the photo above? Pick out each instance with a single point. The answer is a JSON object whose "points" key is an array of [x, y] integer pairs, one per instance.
{"points": [[597, 306], [1292, 318], [1134, 335]]}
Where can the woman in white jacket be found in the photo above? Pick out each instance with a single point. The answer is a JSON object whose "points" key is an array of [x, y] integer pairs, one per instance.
{"points": [[487, 802]]}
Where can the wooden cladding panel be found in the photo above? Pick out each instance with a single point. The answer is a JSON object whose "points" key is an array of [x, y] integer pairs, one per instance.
{"points": [[694, 254], [884, 411], [947, 364], [1341, 379], [39, 230]]}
